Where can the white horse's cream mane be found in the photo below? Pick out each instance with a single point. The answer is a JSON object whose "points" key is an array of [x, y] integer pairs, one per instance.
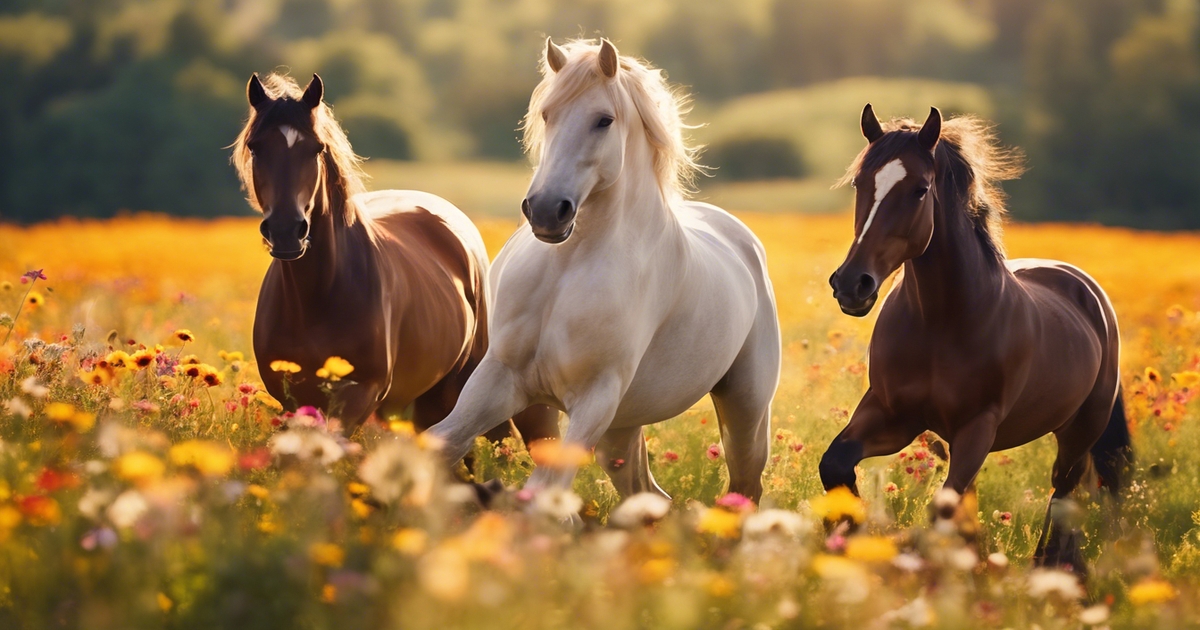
{"points": [[660, 107]]}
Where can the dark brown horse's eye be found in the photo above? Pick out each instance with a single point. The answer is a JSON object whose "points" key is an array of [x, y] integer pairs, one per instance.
{"points": [[921, 190]]}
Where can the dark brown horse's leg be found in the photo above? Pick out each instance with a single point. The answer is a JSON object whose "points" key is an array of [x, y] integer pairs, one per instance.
{"points": [[1058, 545], [871, 433], [969, 447], [538, 422]]}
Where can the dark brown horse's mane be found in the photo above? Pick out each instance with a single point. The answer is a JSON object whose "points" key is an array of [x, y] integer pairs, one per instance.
{"points": [[970, 164], [341, 165]]}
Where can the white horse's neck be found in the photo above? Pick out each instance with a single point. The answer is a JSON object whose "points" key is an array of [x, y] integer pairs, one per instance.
{"points": [[634, 208]]}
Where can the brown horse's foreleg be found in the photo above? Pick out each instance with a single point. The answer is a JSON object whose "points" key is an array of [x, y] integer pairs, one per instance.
{"points": [[1059, 545], [872, 432], [538, 422], [969, 447]]}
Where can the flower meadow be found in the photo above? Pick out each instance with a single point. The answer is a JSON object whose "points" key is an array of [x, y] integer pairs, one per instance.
{"points": [[148, 481]]}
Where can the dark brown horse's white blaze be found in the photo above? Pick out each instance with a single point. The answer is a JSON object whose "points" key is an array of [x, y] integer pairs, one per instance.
{"points": [[987, 353], [392, 281]]}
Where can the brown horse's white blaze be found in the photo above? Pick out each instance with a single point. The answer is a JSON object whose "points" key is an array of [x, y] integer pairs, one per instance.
{"points": [[986, 352], [392, 281]]}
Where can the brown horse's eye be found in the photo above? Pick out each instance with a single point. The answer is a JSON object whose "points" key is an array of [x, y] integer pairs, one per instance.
{"points": [[921, 190]]}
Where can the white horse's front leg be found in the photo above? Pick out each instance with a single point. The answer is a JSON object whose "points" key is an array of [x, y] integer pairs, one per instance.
{"points": [[589, 417], [489, 398]]}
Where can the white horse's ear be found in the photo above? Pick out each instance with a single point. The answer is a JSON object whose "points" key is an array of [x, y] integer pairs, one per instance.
{"points": [[555, 57], [608, 59]]}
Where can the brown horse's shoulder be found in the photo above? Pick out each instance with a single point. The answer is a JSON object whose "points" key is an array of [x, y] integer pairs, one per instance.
{"points": [[1050, 279]]}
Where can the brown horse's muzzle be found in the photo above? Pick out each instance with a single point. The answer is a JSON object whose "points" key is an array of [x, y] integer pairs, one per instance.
{"points": [[856, 293], [287, 238]]}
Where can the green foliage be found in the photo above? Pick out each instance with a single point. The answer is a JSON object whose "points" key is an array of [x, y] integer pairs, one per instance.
{"points": [[755, 159]]}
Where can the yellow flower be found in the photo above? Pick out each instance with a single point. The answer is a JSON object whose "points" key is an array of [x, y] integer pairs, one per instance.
{"points": [[139, 467], [98, 376], [143, 358], [837, 568], [257, 491], [10, 517], [327, 554], [6, 286], [718, 585], [838, 504], [287, 367], [329, 594], [360, 508], [210, 375], [231, 357], [118, 359], [184, 335], [335, 369], [870, 548], [1153, 376], [64, 413], [1189, 379], [721, 523], [556, 454], [34, 299], [410, 541], [1151, 591], [164, 603], [268, 400], [402, 427], [210, 458], [655, 570]]}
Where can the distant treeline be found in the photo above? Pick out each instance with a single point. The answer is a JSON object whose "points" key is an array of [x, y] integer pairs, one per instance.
{"points": [[128, 104]]}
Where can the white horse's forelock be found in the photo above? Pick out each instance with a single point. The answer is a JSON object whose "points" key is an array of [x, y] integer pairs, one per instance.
{"points": [[885, 179]]}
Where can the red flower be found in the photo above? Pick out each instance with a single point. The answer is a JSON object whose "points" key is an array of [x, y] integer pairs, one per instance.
{"points": [[51, 480], [671, 456], [254, 460], [714, 452]]}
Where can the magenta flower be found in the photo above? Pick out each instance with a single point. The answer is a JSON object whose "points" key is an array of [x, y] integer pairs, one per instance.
{"points": [[714, 452], [736, 502], [34, 275]]}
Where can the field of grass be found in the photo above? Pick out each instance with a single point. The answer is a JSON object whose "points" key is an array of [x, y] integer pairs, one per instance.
{"points": [[145, 497]]}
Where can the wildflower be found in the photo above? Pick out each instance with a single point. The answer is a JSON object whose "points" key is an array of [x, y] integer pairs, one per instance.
{"points": [[1153, 375], [445, 573], [287, 367], [850, 577], [190, 370], [1151, 591], [891, 488], [410, 541], [35, 274], [329, 594], [184, 335], [93, 501], [717, 585], [714, 452], [97, 376], [103, 537], [143, 358], [18, 407], [736, 502], [997, 561], [656, 570], [643, 508], [139, 467], [557, 503], [164, 603], [839, 504], [51, 480], [774, 522], [915, 614], [720, 523], [210, 376], [127, 509], [307, 445], [34, 299], [6, 286], [327, 554], [64, 413], [39, 510], [1189, 379], [1005, 518], [119, 359], [335, 369], [1094, 615], [1043, 583], [209, 458], [34, 388], [556, 454], [235, 356], [671, 456], [870, 548]]}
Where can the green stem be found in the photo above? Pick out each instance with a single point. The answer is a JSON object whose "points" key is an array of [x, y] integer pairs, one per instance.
{"points": [[20, 308]]}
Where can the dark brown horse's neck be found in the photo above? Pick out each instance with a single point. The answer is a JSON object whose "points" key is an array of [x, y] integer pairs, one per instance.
{"points": [[958, 274], [339, 260]]}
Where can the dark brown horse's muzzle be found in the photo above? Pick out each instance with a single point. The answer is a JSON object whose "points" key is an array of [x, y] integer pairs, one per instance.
{"points": [[551, 219], [288, 239], [856, 293]]}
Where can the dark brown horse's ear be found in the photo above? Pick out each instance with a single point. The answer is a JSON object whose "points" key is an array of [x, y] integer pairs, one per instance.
{"points": [[931, 130], [871, 128], [555, 57], [608, 59], [314, 92], [255, 93]]}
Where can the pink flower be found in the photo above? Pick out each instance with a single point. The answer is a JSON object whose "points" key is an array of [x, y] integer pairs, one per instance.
{"points": [[890, 488], [736, 502], [714, 452], [36, 274]]}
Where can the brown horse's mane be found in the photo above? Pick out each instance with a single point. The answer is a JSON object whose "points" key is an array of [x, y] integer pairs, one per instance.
{"points": [[342, 167], [970, 164]]}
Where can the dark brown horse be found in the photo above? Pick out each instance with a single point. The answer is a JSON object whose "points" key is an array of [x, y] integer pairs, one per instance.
{"points": [[987, 353], [395, 282]]}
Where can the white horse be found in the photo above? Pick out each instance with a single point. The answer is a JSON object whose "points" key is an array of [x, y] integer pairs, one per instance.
{"points": [[621, 303]]}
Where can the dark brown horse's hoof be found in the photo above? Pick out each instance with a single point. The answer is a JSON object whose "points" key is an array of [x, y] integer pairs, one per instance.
{"points": [[487, 492]]}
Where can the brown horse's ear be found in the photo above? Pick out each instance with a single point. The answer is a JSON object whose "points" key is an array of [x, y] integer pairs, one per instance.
{"points": [[255, 93], [608, 59], [314, 92], [555, 57], [931, 130], [871, 128]]}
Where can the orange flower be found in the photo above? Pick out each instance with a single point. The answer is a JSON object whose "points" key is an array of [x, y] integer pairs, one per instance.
{"points": [[184, 335]]}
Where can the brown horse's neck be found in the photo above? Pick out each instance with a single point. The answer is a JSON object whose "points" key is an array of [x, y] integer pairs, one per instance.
{"points": [[959, 273], [339, 256]]}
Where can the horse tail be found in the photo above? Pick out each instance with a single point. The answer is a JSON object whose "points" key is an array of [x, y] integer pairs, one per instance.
{"points": [[1112, 454]]}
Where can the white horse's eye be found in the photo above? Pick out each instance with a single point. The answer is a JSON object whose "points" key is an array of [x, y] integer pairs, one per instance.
{"points": [[604, 121]]}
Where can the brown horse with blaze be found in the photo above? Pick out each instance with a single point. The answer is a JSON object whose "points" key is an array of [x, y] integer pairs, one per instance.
{"points": [[986, 352], [394, 282]]}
